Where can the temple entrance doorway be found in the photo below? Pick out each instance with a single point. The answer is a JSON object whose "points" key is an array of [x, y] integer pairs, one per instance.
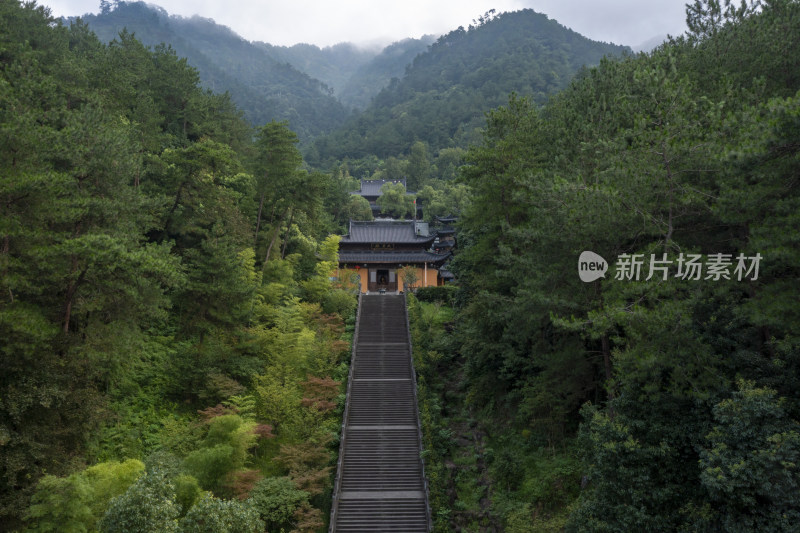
{"points": [[382, 279]]}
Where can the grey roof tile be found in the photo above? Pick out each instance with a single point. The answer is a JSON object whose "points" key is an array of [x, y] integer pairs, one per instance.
{"points": [[373, 187], [384, 231], [391, 257]]}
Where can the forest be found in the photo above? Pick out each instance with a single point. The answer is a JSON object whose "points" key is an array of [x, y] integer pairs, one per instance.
{"points": [[666, 402], [172, 343], [174, 340], [264, 86], [313, 89], [442, 98]]}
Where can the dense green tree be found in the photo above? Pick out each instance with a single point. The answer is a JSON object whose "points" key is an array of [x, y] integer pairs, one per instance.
{"points": [[444, 200], [357, 208], [705, 17], [212, 515], [276, 499], [148, 505], [222, 452], [393, 169], [129, 294], [80, 282], [447, 162], [395, 201], [262, 83], [61, 504], [661, 155], [278, 176], [77, 502], [750, 467], [418, 166], [443, 95]]}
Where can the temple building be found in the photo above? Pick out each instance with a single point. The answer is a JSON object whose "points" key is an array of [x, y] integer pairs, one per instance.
{"points": [[445, 230], [371, 191], [378, 252]]}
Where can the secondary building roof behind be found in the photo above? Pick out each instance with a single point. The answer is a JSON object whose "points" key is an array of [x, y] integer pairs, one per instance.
{"points": [[373, 187]]}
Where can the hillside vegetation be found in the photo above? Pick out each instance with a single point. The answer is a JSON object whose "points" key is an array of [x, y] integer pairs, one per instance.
{"points": [[172, 343], [662, 397], [264, 87], [355, 74], [174, 339], [442, 98], [312, 88]]}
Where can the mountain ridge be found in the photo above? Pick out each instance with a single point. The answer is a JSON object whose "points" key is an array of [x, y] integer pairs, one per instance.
{"points": [[445, 92], [355, 73], [360, 102]]}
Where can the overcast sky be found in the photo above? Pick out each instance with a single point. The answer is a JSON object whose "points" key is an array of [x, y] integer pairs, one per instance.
{"points": [[327, 22]]}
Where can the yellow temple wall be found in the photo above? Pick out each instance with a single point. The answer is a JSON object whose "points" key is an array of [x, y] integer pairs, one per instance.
{"points": [[344, 274], [425, 277]]}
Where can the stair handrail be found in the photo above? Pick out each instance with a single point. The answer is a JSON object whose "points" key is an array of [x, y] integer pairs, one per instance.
{"points": [[337, 486]]}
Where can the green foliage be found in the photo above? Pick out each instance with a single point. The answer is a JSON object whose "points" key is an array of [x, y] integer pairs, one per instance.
{"points": [[443, 198], [690, 149], [441, 99], [444, 294], [61, 504], [357, 208], [706, 17], [223, 451], [109, 480], [751, 466], [129, 293], [277, 402], [419, 166], [524, 519], [339, 301], [148, 505], [276, 499], [211, 464], [448, 160], [261, 83], [76, 502], [212, 515], [286, 193], [394, 200], [187, 492], [409, 275]]}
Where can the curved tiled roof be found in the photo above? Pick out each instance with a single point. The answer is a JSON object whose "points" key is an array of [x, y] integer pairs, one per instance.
{"points": [[391, 257], [373, 187], [384, 231]]}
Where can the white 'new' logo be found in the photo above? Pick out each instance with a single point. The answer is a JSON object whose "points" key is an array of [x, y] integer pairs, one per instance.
{"points": [[591, 266]]}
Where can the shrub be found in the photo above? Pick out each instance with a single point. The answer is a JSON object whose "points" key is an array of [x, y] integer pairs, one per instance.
{"points": [[339, 301], [75, 503], [212, 515], [147, 506], [444, 294], [276, 499]]}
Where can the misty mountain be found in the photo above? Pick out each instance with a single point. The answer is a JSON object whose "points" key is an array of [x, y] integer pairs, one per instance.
{"points": [[333, 65], [436, 91], [356, 74], [442, 98], [264, 87], [651, 43], [368, 80]]}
